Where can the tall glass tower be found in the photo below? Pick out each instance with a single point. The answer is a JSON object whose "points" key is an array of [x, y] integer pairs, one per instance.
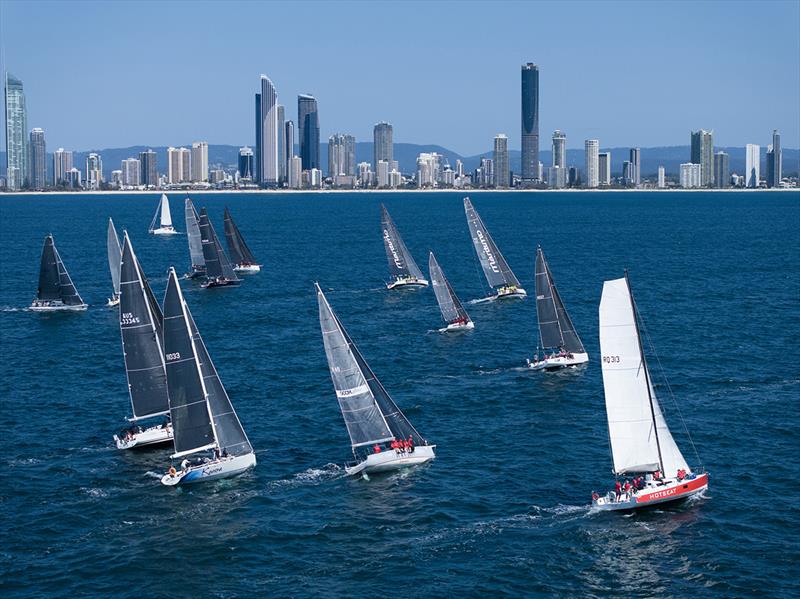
{"points": [[383, 149], [308, 122], [268, 133], [530, 122], [38, 155], [17, 173], [282, 174], [702, 153]]}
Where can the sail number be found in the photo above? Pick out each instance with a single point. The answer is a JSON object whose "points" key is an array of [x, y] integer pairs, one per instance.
{"points": [[611, 359], [129, 318], [174, 356]]}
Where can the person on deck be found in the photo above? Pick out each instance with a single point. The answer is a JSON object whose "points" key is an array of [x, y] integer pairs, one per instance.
{"points": [[618, 489], [377, 448], [628, 488], [410, 444]]}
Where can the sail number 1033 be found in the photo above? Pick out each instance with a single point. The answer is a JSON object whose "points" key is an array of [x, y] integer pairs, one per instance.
{"points": [[611, 359], [175, 356]]}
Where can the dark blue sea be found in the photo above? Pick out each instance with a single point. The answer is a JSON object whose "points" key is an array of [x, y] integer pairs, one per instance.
{"points": [[505, 507]]}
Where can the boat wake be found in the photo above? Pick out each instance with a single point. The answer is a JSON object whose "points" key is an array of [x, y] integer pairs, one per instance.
{"points": [[310, 477], [155, 475], [13, 309], [482, 300]]}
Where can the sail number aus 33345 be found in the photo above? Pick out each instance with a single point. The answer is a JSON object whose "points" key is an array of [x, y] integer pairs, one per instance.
{"points": [[611, 359], [129, 318]]}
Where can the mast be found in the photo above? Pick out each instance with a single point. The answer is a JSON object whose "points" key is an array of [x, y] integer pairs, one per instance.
{"points": [[646, 374], [156, 216]]}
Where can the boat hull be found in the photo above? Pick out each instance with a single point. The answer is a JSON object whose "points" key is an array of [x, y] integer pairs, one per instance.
{"points": [[247, 269], [673, 490], [389, 460], [164, 231], [56, 306], [155, 435], [196, 273], [407, 283], [554, 363], [113, 301], [219, 283], [213, 470], [458, 327]]}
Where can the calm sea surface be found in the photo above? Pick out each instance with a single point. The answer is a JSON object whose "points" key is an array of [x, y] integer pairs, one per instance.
{"points": [[504, 509]]}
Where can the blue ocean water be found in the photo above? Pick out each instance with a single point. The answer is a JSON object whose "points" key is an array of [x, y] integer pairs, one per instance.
{"points": [[504, 509]]}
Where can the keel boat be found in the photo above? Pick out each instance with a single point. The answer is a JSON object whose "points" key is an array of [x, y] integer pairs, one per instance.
{"points": [[219, 272], [162, 220], [56, 290], [381, 437], [140, 326], [198, 268], [114, 259], [453, 313], [495, 268], [243, 259], [206, 426], [641, 442], [558, 340], [404, 270]]}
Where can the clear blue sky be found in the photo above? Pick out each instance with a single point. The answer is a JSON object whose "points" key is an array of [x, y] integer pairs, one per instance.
{"points": [[112, 74]]}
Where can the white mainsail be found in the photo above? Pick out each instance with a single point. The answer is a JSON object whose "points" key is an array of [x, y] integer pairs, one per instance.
{"points": [[166, 215], [193, 233], [114, 255], [631, 403]]}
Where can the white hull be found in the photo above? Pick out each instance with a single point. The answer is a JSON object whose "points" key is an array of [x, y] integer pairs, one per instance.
{"points": [[155, 435], [510, 293], [219, 282], [559, 362], [390, 459], [164, 231], [407, 282], [653, 494], [56, 306], [247, 269], [458, 327], [113, 301], [211, 470]]}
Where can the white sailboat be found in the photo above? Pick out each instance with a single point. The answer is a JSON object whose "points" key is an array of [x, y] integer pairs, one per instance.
{"points": [[558, 339], [205, 424], [381, 437], [195, 241], [140, 326], [402, 267], [162, 220], [498, 274], [452, 311], [641, 442], [114, 260], [56, 290]]}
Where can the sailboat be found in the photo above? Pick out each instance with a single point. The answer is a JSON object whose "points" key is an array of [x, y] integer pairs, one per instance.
{"points": [[453, 312], [195, 242], [381, 437], [494, 265], [141, 324], [402, 267], [219, 272], [56, 289], [203, 418], [560, 344], [243, 259], [162, 220], [641, 442], [114, 258]]}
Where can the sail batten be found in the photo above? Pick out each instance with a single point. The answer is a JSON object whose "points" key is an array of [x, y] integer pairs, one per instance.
{"points": [[401, 263], [114, 255], [494, 265], [451, 308], [193, 234], [239, 250]]}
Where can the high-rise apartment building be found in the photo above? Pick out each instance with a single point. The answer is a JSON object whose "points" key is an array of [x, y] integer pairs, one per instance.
{"points": [[502, 174], [604, 168], [288, 149], [636, 167], [383, 143], [752, 171], [530, 122], [246, 163], [702, 153], [282, 163], [37, 159], [148, 168], [259, 140], [556, 177], [174, 165], [199, 161], [722, 170], [336, 155], [559, 149], [662, 183], [62, 164], [94, 171], [691, 176], [16, 134], [186, 164], [308, 123], [295, 172], [382, 174], [592, 148], [131, 172], [774, 161], [627, 173], [267, 134]]}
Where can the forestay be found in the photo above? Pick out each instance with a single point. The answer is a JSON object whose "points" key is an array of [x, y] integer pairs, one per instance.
{"points": [[635, 443], [449, 304], [114, 255], [240, 252], [555, 326], [401, 263], [188, 407], [140, 328], [494, 265], [193, 233], [217, 263]]}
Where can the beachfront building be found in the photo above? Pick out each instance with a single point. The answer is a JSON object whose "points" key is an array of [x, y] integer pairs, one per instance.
{"points": [[502, 173], [752, 160], [592, 149], [690, 175]]}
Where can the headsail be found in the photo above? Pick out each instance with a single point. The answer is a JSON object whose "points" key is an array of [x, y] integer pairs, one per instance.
{"points": [[369, 412], [555, 326], [631, 404], [401, 263], [492, 261], [114, 255], [193, 233], [240, 253], [166, 215], [191, 420], [217, 263], [140, 323], [449, 304]]}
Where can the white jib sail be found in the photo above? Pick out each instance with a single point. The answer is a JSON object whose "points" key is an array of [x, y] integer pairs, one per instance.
{"points": [[630, 419], [166, 215]]}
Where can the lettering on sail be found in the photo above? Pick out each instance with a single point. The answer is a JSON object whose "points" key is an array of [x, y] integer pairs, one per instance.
{"points": [[398, 261], [487, 251]]}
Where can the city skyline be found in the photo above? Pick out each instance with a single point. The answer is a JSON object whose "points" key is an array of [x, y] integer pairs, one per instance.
{"points": [[658, 114]]}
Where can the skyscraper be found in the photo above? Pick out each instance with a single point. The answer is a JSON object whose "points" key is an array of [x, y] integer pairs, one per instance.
{"points": [[38, 158], [636, 167], [131, 172], [703, 154], [174, 165], [246, 163], [94, 171], [530, 122], [502, 175], [604, 168], [148, 168], [308, 121], [259, 140], [282, 164], [722, 172], [186, 164], [16, 134], [691, 175], [559, 149], [752, 172], [289, 145], [199, 162], [268, 125], [336, 155], [661, 179], [62, 164], [775, 161], [592, 163], [383, 143]]}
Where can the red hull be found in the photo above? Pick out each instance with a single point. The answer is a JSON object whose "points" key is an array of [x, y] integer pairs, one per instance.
{"points": [[689, 487]]}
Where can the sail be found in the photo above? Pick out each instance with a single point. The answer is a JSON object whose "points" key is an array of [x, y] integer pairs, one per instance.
{"points": [[188, 407], [166, 215], [369, 412], [634, 441], [492, 261], [157, 216], [240, 253], [49, 288], [572, 343], [140, 328], [66, 288], [549, 328], [114, 255], [450, 306], [193, 233], [401, 263], [217, 263]]}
